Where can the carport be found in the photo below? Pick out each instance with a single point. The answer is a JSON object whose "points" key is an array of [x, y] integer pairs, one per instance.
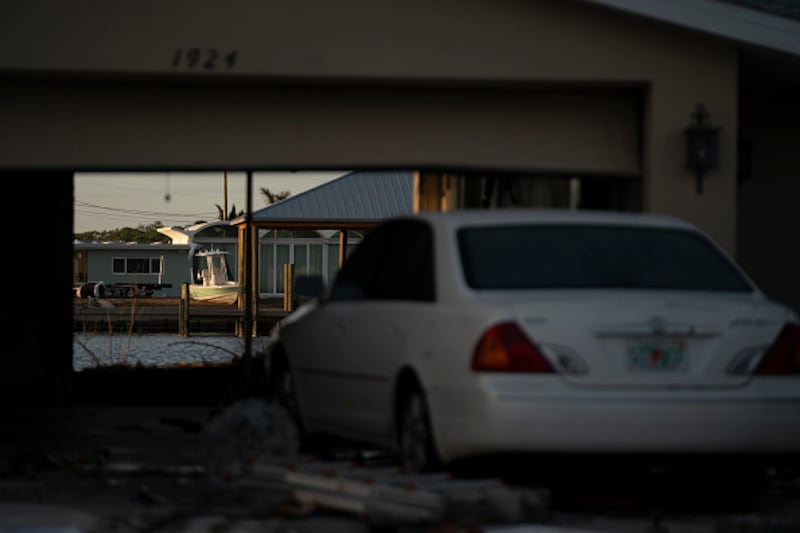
{"points": [[598, 90]]}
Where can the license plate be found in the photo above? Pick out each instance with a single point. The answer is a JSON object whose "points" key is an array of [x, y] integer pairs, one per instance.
{"points": [[657, 355]]}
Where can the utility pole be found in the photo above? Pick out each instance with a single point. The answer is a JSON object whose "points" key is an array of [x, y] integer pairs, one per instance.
{"points": [[250, 306], [224, 195]]}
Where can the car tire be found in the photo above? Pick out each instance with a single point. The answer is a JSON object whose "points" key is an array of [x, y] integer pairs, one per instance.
{"points": [[417, 449]]}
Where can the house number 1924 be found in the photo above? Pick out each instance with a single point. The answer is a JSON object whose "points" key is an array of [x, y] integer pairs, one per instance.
{"points": [[204, 58]]}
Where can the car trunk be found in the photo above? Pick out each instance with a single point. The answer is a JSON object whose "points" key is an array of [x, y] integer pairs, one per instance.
{"points": [[648, 338]]}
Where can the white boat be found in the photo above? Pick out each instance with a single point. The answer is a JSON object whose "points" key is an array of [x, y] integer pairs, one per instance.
{"points": [[211, 279]]}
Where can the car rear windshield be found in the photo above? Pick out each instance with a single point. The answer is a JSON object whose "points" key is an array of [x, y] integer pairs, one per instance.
{"points": [[575, 256]]}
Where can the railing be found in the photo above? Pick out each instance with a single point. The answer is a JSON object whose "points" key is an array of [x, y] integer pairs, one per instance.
{"points": [[183, 318]]}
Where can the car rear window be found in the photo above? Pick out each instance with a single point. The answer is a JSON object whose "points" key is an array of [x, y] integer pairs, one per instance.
{"points": [[574, 256]]}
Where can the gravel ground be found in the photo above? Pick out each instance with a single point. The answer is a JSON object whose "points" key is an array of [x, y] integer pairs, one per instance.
{"points": [[135, 469]]}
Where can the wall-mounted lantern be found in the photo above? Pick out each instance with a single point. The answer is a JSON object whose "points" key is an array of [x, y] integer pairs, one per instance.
{"points": [[702, 146]]}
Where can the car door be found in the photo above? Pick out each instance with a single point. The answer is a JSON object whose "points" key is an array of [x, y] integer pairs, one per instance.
{"points": [[359, 332], [386, 325], [322, 342]]}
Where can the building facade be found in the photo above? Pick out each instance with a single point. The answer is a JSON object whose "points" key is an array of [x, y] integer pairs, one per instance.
{"points": [[588, 95]]}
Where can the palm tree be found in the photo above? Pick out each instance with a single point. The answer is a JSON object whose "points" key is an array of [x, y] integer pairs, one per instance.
{"points": [[271, 197], [233, 214]]}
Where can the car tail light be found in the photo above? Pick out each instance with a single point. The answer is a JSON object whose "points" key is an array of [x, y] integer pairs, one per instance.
{"points": [[783, 357], [505, 348]]}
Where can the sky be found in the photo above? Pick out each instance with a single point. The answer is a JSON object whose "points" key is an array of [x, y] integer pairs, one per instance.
{"points": [[107, 201]]}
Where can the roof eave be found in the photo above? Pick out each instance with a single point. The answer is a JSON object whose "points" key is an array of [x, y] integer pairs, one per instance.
{"points": [[718, 18], [312, 224]]}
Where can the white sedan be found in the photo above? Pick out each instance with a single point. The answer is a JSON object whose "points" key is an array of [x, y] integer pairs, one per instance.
{"points": [[454, 335]]}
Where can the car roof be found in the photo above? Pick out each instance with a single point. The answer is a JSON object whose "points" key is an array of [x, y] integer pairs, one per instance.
{"points": [[473, 217]]}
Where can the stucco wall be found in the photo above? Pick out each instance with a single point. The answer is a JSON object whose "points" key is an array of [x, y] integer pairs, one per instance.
{"points": [[136, 105], [354, 39], [669, 186]]}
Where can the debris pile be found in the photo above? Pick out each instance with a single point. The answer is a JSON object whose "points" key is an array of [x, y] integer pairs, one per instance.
{"points": [[246, 433], [255, 444]]}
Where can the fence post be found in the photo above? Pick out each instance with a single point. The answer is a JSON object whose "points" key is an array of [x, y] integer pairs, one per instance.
{"points": [[288, 283], [183, 311]]}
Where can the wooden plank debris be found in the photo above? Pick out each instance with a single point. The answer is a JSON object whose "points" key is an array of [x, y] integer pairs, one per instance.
{"points": [[391, 495]]}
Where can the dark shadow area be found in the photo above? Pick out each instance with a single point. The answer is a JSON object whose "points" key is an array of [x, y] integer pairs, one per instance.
{"points": [[646, 484], [207, 384]]}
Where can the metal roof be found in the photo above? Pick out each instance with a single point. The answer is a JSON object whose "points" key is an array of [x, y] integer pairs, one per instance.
{"points": [[191, 233], [120, 245], [360, 197]]}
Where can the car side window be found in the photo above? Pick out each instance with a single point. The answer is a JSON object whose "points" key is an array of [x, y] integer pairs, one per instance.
{"points": [[394, 262], [355, 280], [405, 271]]}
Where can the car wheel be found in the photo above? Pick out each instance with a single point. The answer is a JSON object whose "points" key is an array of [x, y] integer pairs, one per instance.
{"points": [[417, 450]]}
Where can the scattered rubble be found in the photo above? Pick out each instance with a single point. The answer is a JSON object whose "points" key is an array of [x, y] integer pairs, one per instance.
{"points": [[255, 444]]}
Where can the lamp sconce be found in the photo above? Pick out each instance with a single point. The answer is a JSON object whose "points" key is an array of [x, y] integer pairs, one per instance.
{"points": [[702, 146]]}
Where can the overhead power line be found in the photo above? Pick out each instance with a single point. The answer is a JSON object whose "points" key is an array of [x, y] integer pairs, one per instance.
{"points": [[139, 212], [139, 219]]}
